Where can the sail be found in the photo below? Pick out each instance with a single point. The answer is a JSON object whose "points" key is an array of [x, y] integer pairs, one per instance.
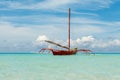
{"points": [[51, 42]]}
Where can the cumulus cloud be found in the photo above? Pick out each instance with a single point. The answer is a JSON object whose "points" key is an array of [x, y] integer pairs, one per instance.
{"points": [[115, 42], [85, 39], [88, 42], [83, 42], [41, 38]]}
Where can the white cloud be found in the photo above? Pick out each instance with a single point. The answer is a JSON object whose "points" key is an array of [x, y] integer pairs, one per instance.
{"points": [[99, 44], [49, 4], [53, 4], [84, 42], [8, 30], [53, 25], [14, 38], [95, 4], [89, 42], [80, 26], [115, 42], [109, 44], [87, 29], [85, 39], [46, 4], [41, 38]]}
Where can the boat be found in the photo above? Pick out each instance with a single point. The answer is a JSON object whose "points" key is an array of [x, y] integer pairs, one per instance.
{"points": [[68, 50]]}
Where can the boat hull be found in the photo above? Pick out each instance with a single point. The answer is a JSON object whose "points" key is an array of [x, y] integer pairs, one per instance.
{"points": [[64, 52]]}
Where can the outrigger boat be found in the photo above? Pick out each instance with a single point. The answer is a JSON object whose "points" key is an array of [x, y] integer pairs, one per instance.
{"points": [[68, 50]]}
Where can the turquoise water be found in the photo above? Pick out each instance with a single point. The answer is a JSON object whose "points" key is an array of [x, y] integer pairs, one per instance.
{"points": [[49, 67]]}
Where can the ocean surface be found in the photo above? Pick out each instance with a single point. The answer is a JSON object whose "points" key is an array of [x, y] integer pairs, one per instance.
{"points": [[48, 67]]}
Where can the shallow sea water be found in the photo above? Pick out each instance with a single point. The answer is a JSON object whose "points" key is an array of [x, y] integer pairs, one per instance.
{"points": [[49, 67]]}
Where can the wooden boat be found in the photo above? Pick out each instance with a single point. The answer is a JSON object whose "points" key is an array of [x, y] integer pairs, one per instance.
{"points": [[64, 52], [61, 52], [68, 51]]}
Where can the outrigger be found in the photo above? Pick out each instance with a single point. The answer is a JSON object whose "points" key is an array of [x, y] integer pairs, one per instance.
{"points": [[68, 50]]}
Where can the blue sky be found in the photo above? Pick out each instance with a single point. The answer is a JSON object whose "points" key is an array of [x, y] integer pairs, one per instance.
{"points": [[95, 24]]}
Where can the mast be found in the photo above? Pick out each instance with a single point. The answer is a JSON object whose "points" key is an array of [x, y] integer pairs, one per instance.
{"points": [[69, 29]]}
